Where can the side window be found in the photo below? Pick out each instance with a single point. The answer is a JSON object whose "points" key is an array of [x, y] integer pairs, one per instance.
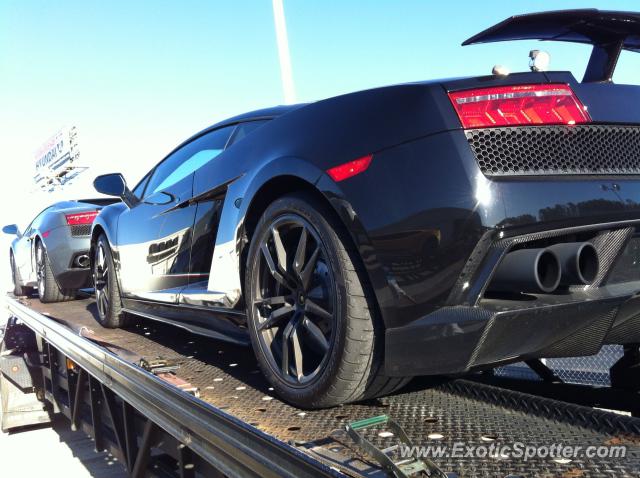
{"points": [[37, 220], [187, 159], [245, 129], [138, 191]]}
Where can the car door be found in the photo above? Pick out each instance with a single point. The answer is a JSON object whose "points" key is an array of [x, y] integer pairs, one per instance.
{"points": [[213, 229], [208, 216], [154, 237]]}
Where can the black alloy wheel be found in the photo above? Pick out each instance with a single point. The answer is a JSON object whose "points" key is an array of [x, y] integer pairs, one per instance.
{"points": [[310, 311], [296, 300], [107, 289]]}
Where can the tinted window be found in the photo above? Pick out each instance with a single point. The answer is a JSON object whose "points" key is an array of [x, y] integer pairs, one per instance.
{"points": [[35, 224], [138, 191], [244, 129], [187, 159]]}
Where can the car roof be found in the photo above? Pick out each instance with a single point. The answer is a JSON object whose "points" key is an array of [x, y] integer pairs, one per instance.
{"points": [[264, 113], [82, 203], [261, 114]]}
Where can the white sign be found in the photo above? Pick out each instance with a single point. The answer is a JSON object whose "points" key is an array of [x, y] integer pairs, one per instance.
{"points": [[55, 159]]}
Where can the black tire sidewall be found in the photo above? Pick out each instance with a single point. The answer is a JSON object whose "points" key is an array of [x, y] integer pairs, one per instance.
{"points": [[326, 378]]}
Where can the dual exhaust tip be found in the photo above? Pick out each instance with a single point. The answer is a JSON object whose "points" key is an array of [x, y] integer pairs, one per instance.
{"points": [[544, 270]]}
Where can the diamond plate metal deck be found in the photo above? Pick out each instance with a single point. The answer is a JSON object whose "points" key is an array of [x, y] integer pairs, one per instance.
{"points": [[431, 411]]}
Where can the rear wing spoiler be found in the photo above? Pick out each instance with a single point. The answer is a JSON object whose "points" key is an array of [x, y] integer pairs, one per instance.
{"points": [[609, 32], [100, 201]]}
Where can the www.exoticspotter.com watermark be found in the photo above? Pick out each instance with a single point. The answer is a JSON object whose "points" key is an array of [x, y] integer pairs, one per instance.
{"points": [[516, 450]]}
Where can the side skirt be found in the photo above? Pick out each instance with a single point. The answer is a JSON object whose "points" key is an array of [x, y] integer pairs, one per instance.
{"points": [[220, 324]]}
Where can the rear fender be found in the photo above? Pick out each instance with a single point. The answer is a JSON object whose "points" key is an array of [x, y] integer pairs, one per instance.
{"points": [[225, 277]]}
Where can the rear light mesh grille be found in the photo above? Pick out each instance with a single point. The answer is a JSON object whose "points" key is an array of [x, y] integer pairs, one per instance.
{"points": [[559, 150], [80, 230]]}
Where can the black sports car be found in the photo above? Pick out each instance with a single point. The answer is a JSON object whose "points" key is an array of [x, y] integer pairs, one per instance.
{"points": [[426, 228]]}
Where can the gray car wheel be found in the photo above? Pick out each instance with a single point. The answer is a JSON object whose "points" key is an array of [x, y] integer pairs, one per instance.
{"points": [[48, 289]]}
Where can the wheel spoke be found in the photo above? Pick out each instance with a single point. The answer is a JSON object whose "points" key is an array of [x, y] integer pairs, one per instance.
{"points": [[275, 317], [272, 266], [281, 253], [307, 271], [301, 251], [278, 300], [101, 303], [297, 354], [286, 337], [316, 336], [100, 258], [311, 307]]}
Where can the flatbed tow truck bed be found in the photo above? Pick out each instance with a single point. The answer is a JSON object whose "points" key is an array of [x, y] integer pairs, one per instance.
{"points": [[200, 407]]}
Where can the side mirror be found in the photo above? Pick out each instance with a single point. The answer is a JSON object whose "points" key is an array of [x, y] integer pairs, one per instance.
{"points": [[11, 229], [110, 184], [115, 185]]}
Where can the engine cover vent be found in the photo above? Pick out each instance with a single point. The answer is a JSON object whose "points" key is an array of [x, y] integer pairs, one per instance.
{"points": [[556, 150]]}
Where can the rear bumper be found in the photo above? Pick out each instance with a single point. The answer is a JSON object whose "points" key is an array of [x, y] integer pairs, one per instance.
{"points": [[75, 278], [62, 248], [459, 339]]}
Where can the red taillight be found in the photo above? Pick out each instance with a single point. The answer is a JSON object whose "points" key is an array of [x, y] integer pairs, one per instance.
{"points": [[519, 105], [347, 170], [81, 218]]}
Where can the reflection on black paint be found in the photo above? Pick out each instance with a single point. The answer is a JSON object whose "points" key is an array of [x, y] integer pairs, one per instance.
{"points": [[170, 255], [204, 237], [425, 253], [559, 212]]}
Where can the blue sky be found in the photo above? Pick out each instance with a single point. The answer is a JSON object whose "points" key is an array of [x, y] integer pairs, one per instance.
{"points": [[122, 71], [136, 78]]}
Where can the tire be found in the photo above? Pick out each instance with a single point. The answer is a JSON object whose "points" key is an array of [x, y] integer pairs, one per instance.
{"points": [[351, 367], [48, 289], [18, 289], [105, 280]]}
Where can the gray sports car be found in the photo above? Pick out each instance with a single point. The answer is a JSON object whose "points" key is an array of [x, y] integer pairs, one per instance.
{"points": [[51, 255]]}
